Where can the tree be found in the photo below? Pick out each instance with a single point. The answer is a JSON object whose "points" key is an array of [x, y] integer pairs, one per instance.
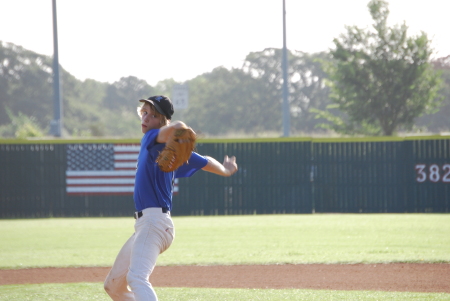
{"points": [[382, 79], [83, 107], [126, 92], [225, 101], [90, 108], [25, 84], [307, 89], [21, 126], [439, 121], [247, 101]]}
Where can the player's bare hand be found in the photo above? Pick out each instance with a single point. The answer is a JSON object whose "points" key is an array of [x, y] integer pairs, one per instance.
{"points": [[230, 164]]}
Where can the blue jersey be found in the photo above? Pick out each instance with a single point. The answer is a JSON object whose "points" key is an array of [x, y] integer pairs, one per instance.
{"points": [[153, 187]]}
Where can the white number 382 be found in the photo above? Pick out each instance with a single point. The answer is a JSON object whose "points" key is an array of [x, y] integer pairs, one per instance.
{"points": [[432, 173]]}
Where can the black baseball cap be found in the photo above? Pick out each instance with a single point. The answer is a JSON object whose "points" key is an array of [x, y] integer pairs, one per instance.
{"points": [[162, 103]]}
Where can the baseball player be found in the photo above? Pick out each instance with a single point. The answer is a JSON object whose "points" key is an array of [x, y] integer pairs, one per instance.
{"points": [[128, 278]]}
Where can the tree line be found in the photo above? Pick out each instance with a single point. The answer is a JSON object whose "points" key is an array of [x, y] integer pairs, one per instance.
{"points": [[376, 81]]}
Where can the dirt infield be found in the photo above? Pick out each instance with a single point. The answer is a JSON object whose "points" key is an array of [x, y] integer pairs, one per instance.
{"points": [[382, 277]]}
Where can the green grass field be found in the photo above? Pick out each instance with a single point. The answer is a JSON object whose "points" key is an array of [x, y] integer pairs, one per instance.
{"points": [[255, 239], [94, 291]]}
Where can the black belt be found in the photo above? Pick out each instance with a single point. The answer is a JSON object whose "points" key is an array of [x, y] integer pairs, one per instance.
{"points": [[140, 214]]}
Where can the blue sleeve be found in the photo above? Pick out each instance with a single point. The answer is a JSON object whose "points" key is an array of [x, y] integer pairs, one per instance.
{"points": [[149, 138], [195, 163]]}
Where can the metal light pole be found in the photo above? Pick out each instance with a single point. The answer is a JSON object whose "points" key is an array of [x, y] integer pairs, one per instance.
{"points": [[56, 124], [286, 111]]}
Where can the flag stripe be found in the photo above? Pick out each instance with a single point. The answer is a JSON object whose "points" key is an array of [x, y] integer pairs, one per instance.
{"points": [[116, 181], [100, 173], [101, 185], [126, 157], [125, 165], [102, 189]]}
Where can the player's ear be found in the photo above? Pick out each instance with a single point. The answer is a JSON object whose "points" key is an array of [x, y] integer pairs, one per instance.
{"points": [[163, 121]]}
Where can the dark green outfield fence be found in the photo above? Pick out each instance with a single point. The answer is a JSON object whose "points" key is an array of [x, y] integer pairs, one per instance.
{"points": [[275, 176]]}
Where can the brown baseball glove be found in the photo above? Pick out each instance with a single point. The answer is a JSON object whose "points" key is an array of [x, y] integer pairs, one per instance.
{"points": [[178, 150]]}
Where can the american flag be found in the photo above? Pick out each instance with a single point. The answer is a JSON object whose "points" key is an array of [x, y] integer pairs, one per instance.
{"points": [[102, 169]]}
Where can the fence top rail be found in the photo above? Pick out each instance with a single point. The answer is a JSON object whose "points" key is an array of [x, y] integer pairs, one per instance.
{"points": [[380, 139], [228, 140]]}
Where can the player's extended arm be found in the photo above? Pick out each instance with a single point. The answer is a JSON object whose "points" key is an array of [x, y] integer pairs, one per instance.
{"points": [[228, 168]]}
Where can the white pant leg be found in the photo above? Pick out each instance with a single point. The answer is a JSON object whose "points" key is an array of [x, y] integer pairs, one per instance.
{"points": [[154, 233], [116, 283]]}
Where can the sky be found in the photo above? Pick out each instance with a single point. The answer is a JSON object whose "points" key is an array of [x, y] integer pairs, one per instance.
{"points": [[181, 39]]}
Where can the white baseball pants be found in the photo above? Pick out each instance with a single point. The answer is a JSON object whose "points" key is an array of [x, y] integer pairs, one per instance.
{"points": [[128, 279]]}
